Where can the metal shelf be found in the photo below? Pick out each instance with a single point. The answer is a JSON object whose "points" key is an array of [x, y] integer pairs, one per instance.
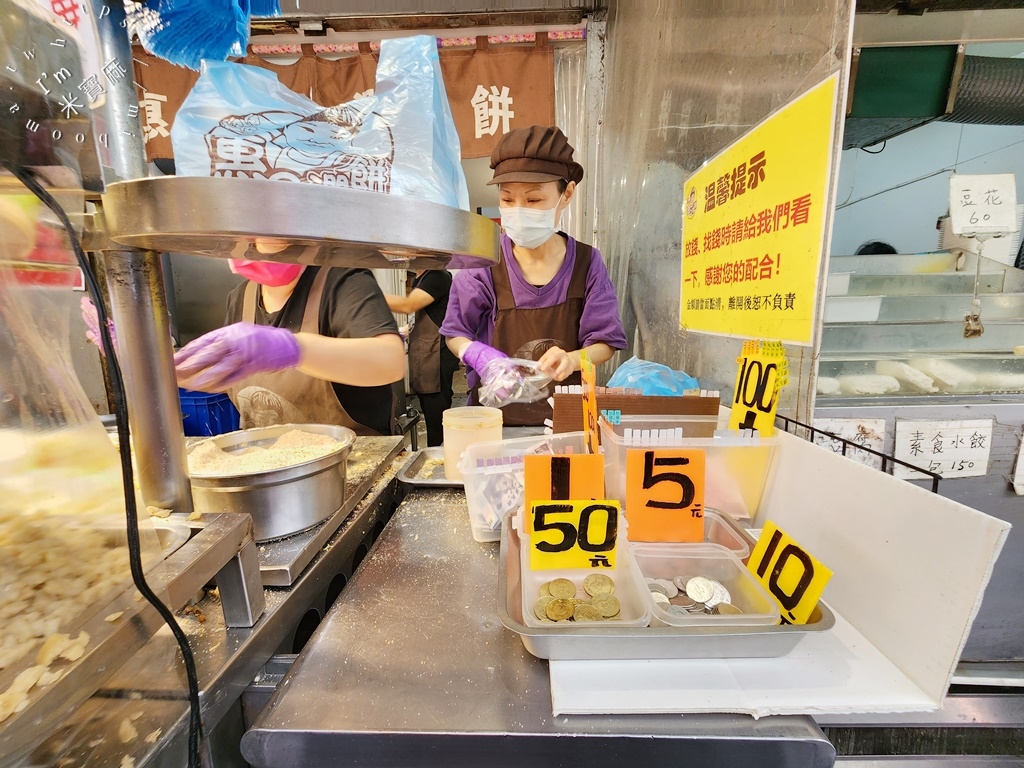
{"points": [[223, 550], [299, 223]]}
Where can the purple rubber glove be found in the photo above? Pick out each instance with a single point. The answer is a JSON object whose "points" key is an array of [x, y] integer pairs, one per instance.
{"points": [[477, 355], [92, 324], [222, 358]]}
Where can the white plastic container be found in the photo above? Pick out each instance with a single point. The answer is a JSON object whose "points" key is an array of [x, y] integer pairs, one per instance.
{"points": [[629, 589], [494, 477], [737, 467], [464, 427], [667, 561]]}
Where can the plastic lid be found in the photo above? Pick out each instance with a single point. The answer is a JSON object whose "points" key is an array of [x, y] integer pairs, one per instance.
{"points": [[471, 417]]}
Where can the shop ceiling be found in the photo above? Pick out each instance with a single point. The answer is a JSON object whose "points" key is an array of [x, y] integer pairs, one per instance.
{"points": [[919, 74], [440, 14]]}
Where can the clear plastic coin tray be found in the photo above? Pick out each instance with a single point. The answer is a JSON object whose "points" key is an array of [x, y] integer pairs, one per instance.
{"points": [[629, 590], [685, 561], [721, 529]]}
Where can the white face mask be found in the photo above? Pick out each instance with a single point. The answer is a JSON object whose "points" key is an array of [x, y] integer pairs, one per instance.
{"points": [[530, 227]]}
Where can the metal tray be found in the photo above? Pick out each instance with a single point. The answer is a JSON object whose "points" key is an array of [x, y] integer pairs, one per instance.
{"points": [[410, 473], [574, 643]]}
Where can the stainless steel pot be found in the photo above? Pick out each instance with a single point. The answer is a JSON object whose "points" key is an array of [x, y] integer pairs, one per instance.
{"points": [[282, 501]]}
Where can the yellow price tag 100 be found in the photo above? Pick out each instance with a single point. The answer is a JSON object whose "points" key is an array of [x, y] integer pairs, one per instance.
{"points": [[574, 534], [665, 494], [589, 402], [763, 372], [793, 577]]}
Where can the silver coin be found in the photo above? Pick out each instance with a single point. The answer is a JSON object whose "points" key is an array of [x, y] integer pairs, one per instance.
{"points": [[658, 588], [649, 580], [659, 598], [680, 582], [699, 589], [720, 594], [670, 588], [687, 603], [677, 610]]}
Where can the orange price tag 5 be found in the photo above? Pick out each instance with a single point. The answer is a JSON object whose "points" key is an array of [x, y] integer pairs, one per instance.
{"points": [[789, 572], [574, 534], [665, 494], [561, 478], [589, 402]]}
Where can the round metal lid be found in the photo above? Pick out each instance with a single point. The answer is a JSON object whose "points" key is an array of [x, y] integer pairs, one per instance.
{"points": [[309, 224]]}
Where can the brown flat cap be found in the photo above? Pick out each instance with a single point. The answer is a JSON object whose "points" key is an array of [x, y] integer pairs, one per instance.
{"points": [[538, 153]]}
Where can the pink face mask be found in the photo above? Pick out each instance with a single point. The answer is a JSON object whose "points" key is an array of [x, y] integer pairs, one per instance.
{"points": [[266, 272]]}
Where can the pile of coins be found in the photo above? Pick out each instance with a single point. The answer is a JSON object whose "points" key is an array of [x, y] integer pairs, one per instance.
{"points": [[682, 596], [558, 601]]}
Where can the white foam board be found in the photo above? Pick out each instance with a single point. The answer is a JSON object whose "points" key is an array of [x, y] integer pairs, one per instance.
{"points": [[910, 567]]}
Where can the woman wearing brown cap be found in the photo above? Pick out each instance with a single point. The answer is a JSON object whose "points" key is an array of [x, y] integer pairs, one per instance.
{"points": [[551, 296]]}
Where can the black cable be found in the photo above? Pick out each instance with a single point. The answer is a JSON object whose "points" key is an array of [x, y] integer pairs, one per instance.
{"points": [[195, 724], [876, 152]]}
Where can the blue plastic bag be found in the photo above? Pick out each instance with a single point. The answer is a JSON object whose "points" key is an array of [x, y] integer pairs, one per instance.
{"points": [[651, 378], [401, 139]]}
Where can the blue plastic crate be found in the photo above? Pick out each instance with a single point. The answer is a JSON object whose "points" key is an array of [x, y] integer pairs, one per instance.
{"points": [[204, 414]]}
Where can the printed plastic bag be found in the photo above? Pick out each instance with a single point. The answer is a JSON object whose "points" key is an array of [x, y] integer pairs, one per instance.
{"points": [[651, 378], [508, 380], [401, 139]]}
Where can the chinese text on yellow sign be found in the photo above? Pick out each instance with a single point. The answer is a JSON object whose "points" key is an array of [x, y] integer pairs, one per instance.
{"points": [[753, 224]]}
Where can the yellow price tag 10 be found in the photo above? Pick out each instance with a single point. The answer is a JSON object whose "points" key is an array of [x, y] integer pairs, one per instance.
{"points": [[589, 402], [762, 373], [574, 534], [791, 574]]}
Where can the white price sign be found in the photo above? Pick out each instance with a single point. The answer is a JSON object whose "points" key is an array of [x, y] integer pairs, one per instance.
{"points": [[983, 204], [948, 448], [869, 433]]}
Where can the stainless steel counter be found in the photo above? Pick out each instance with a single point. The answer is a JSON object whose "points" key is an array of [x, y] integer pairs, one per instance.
{"points": [[412, 664], [149, 689]]}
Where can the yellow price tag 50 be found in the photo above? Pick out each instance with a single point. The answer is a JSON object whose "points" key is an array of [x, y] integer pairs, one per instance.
{"points": [[574, 534], [793, 577]]}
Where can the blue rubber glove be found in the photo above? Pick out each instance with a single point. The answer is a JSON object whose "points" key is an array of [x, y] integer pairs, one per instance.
{"points": [[222, 358]]}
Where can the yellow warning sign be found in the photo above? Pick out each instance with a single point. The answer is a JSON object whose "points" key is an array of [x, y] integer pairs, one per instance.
{"points": [[754, 225]]}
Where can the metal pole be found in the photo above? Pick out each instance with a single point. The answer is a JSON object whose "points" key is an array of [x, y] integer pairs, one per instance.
{"points": [[136, 284]]}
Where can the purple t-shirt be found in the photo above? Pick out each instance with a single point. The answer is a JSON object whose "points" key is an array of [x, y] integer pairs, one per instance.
{"points": [[473, 305]]}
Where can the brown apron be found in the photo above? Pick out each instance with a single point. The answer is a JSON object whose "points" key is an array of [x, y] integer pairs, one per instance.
{"points": [[290, 396], [425, 355], [529, 333]]}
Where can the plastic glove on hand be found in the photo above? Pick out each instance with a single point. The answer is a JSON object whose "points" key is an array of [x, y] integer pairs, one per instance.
{"points": [[477, 355], [91, 319], [222, 358]]}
